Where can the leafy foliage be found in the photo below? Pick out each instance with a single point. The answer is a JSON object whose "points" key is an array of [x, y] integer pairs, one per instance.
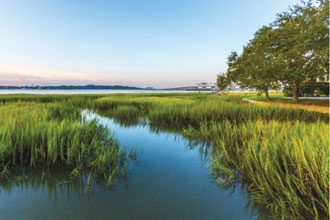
{"points": [[291, 50]]}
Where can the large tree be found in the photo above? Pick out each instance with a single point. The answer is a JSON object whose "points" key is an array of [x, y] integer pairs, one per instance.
{"points": [[259, 61], [257, 66], [302, 34], [293, 50]]}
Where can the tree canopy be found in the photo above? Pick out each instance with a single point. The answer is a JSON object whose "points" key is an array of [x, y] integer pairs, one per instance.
{"points": [[290, 51]]}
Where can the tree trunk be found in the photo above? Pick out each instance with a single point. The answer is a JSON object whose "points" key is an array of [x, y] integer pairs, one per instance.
{"points": [[295, 92], [267, 94]]}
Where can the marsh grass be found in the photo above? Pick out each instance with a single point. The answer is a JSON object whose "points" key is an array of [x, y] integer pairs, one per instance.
{"points": [[285, 166], [194, 114], [193, 109], [144, 103], [279, 155], [36, 135], [126, 113]]}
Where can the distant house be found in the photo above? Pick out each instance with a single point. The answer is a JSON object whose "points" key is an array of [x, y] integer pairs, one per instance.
{"points": [[206, 86], [198, 87]]}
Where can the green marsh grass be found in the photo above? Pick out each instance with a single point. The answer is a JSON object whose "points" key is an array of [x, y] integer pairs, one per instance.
{"points": [[284, 165], [49, 135], [279, 155], [126, 113], [143, 102], [194, 114]]}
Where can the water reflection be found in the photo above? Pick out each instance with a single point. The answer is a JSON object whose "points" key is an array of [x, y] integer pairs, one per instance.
{"points": [[207, 157], [231, 183], [57, 181]]}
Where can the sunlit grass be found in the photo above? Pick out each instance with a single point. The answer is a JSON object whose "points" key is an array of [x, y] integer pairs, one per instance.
{"points": [[218, 111], [285, 166], [304, 105], [53, 135], [279, 154], [279, 100]]}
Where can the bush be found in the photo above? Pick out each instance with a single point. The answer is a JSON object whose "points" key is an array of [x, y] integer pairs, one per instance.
{"points": [[323, 88]]}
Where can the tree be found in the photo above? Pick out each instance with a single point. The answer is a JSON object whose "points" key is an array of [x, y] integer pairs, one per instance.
{"points": [[293, 50], [222, 82], [234, 72], [256, 67], [260, 63], [302, 34]]}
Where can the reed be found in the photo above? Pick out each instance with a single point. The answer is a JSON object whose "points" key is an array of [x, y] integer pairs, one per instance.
{"points": [[279, 155], [143, 102], [36, 135], [194, 114], [126, 113], [284, 165]]}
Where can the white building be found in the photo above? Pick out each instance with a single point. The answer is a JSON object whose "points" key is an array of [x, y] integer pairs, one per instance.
{"points": [[205, 85]]}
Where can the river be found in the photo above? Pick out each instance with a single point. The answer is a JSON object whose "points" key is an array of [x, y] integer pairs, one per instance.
{"points": [[170, 180], [85, 91]]}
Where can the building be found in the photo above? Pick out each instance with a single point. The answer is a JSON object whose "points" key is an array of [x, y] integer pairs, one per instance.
{"points": [[206, 86]]}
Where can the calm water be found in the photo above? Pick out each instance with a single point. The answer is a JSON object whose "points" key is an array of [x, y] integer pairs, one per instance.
{"points": [[84, 91], [170, 180]]}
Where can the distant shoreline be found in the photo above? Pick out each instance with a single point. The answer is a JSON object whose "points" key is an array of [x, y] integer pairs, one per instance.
{"points": [[72, 87], [86, 91]]}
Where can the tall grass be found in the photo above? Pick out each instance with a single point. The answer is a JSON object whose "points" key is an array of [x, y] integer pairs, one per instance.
{"points": [[143, 102], [64, 100], [218, 111], [48, 135], [126, 113], [280, 155], [285, 166]]}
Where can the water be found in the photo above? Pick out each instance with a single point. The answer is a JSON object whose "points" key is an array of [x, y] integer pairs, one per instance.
{"points": [[84, 91], [170, 180]]}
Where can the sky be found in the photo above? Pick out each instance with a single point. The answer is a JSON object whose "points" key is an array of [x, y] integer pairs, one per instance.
{"points": [[159, 43]]}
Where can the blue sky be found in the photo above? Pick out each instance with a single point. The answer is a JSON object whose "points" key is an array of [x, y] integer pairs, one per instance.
{"points": [[160, 43]]}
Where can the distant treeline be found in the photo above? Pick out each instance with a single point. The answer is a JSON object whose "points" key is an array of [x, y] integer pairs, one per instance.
{"points": [[71, 87]]}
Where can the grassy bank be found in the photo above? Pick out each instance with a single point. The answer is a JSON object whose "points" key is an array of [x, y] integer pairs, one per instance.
{"points": [[284, 165]]}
